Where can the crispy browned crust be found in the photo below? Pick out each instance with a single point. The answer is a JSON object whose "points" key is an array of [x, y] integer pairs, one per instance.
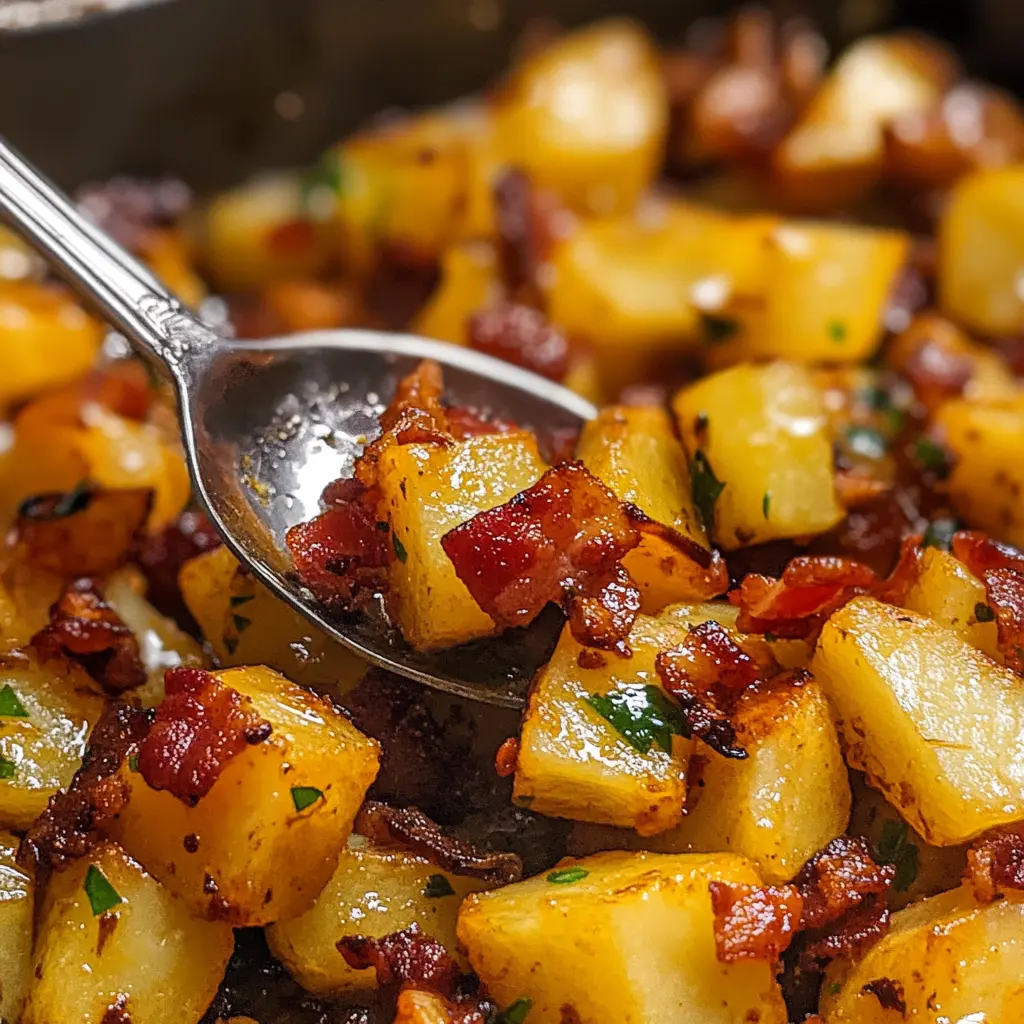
{"points": [[754, 922], [408, 957], [995, 863]]}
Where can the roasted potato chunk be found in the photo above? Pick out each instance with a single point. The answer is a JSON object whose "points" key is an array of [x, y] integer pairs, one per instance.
{"points": [[935, 724], [17, 895], [113, 943], [469, 283], [263, 842], [566, 941]]}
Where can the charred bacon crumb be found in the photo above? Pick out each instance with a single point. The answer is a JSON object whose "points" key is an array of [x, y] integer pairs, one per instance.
{"points": [[995, 863], [408, 957], [506, 758], [523, 336], [200, 725], [889, 994], [752, 922]]}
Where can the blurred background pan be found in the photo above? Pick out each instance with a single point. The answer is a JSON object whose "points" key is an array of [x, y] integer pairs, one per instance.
{"points": [[214, 89]]}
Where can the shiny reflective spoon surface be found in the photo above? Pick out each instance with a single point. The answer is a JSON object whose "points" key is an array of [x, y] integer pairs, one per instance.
{"points": [[267, 424]]}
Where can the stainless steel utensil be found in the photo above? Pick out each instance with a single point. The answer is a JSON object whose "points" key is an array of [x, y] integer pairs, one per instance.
{"points": [[267, 425]]}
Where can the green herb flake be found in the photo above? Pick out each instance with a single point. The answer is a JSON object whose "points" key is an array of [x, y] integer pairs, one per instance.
{"points": [[939, 534], [717, 329], [835, 988], [240, 599], [766, 504], [133, 763], [866, 442], [437, 886], [322, 184], [7, 768], [241, 622], [642, 714], [983, 613], [836, 330], [515, 1014], [102, 895], [894, 848], [566, 876], [932, 457], [10, 704], [706, 487], [400, 553], [770, 637], [305, 796]]}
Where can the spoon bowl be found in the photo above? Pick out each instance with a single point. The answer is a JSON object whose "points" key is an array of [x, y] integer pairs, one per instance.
{"points": [[267, 424]]}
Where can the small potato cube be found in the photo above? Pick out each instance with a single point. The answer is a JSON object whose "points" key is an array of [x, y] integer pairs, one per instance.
{"points": [[374, 891], [787, 800], [114, 944], [935, 724], [953, 958], [987, 481], [628, 937], [981, 251], [16, 925], [634, 451], [46, 712], [264, 841], [427, 490], [760, 452], [469, 283]]}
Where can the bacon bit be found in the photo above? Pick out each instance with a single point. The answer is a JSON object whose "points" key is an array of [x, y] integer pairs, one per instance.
{"points": [[85, 628], [122, 387], [838, 878], [411, 828], [851, 936], [753, 923], [128, 208], [66, 830], [995, 863], [889, 994], [706, 673], [589, 659], [507, 757], [523, 336], [854, 490], [407, 957], [465, 421], [293, 236], [934, 355], [198, 728], [896, 586]]}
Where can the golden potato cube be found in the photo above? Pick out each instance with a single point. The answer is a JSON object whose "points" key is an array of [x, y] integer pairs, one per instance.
{"points": [[634, 451], [263, 842], [954, 959], [374, 891], [625, 937], [16, 926], [935, 724], [47, 709], [246, 624], [987, 481], [981, 251], [758, 439], [587, 116], [787, 800], [427, 490], [111, 939], [469, 283], [946, 591]]}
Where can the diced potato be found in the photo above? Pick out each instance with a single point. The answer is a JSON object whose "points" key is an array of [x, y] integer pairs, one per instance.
{"points": [[981, 251], [947, 592], [427, 490], [631, 941], [374, 891], [267, 835], [144, 955], [45, 721], [587, 116], [837, 149], [421, 1006], [987, 481], [935, 724], [787, 800], [469, 283], [762, 433], [16, 926], [263, 231], [247, 625], [635, 452], [166, 252], [954, 959], [46, 340]]}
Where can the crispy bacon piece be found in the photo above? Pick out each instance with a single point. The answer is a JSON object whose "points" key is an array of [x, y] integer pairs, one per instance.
{"points": [[199, 727], [706, 673], [85, 628], [67, 828], [889, 994], [122, 387], [507, 757], [411, 828], [464, 421], [851, 936], [407, 957], [754, 923], [523, 336], [855, 490], [995, 863], [934, 355], [838, 878]]}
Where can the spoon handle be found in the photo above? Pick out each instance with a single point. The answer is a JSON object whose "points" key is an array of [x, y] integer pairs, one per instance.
{"points": [[135, 301]]}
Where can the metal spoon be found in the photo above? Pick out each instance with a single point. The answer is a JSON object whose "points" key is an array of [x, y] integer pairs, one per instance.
{"points": [[268, 424]]}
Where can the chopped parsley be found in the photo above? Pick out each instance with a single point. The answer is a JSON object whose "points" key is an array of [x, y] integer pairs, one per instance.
{"points": [[706, 488], [10, 704], [7, 768], [643, 715], [322, 184], [939, 533], [836, 330], [894, 848], [566, 876], [835, 988], [716, 329], [515, 1014], [932, 457], [400, 553], [102, 895], [866, 441], [305, 796], [766, 504], [983, 613], [438, 886], [133, 763]]}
